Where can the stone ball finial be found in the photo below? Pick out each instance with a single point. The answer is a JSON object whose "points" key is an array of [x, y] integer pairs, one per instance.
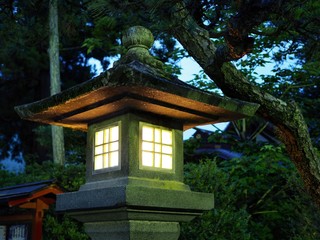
{"points": [[138, 40], [137, 36]]}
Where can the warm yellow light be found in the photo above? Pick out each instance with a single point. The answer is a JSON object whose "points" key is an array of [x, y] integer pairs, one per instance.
{"points": [[157, 160], [157, 135], [106, 148], [114, 159], [114, 146], [147, 146], [98, 150], [98, 162], [114, 134], [166, 149], [166, 137], [106, 135], [99, 138], [147, 159], [147, 133], [156, 147], [167, 161]]}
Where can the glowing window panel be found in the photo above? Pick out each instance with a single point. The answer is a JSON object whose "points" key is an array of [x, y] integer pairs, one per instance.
{"points": [[156, 147], [106, 148]]}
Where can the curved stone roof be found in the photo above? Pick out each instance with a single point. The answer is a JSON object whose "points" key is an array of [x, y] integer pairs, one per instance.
{"points": [[136, 83]]}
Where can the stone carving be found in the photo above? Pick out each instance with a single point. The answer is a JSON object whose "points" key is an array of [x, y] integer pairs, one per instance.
{"points": [[138, 40]]}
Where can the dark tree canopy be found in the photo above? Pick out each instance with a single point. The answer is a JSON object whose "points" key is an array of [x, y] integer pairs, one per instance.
{"points": [[219, 35], [24, 64]]}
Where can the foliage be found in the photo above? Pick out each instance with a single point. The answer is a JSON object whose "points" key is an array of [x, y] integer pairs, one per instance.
{"points": [[225, 221], [286, 57], [202, 81], [75, 144], [258, 196], [24, 65], [190, 146], [70, 177], [62, 228]]}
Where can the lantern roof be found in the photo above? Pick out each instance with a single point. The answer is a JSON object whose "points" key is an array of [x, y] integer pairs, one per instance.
{"points": [[136, 83]]}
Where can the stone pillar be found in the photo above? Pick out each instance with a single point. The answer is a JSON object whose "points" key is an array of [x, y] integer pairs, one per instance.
{"points": [[133, 230]]}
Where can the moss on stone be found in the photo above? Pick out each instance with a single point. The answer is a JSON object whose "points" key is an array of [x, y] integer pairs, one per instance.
{"points": [[137, 69]]}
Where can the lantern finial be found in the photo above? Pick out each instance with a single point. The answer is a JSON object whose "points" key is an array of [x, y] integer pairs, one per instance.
{"points": [[138, 36], [138, 40]]}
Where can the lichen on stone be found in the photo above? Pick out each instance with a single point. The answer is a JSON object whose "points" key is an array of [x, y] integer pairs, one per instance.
{"points": [[138, 40]]}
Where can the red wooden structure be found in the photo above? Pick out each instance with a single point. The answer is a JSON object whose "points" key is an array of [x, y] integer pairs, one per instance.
{"points": [[25, 205]]}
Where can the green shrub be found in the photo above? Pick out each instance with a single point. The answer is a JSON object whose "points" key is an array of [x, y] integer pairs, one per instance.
{"points": [[62, 227], [258, 196], [223, 222]]}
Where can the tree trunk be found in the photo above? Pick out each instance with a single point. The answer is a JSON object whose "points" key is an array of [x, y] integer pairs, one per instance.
{"points": [[57, 132], [291, 127]]}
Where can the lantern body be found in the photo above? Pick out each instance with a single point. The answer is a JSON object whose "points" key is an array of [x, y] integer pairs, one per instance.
{"points": [[133, 164], [138, 196]]}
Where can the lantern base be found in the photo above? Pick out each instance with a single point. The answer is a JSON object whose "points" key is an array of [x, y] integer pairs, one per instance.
{"points": [[133, 230], [133, 211], [132, 202]]}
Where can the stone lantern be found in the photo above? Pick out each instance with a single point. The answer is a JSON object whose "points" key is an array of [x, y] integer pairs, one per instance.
{"points": [[134, 115]]}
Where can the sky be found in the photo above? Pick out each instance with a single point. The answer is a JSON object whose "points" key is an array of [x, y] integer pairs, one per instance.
{"points": [[189, 67], [17, 164]]}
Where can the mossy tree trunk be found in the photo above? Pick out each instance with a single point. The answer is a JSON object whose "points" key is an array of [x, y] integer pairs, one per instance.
{"points": [[55, 83], [286, 116]]}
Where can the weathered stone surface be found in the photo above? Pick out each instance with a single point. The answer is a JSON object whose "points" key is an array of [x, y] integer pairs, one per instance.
{"points": [[135, 197], [133, 230], [137, 36], [138, 40], [134, 86]]}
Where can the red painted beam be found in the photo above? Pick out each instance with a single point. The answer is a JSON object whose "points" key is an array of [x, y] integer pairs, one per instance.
{"points": [[49, 190]]}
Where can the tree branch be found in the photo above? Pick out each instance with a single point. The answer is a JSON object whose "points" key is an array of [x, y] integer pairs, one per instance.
{"points": [[287, 117]]}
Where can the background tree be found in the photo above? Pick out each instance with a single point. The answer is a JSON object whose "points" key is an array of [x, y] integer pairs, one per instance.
{"points": [[24, 71], [56, 132]]}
